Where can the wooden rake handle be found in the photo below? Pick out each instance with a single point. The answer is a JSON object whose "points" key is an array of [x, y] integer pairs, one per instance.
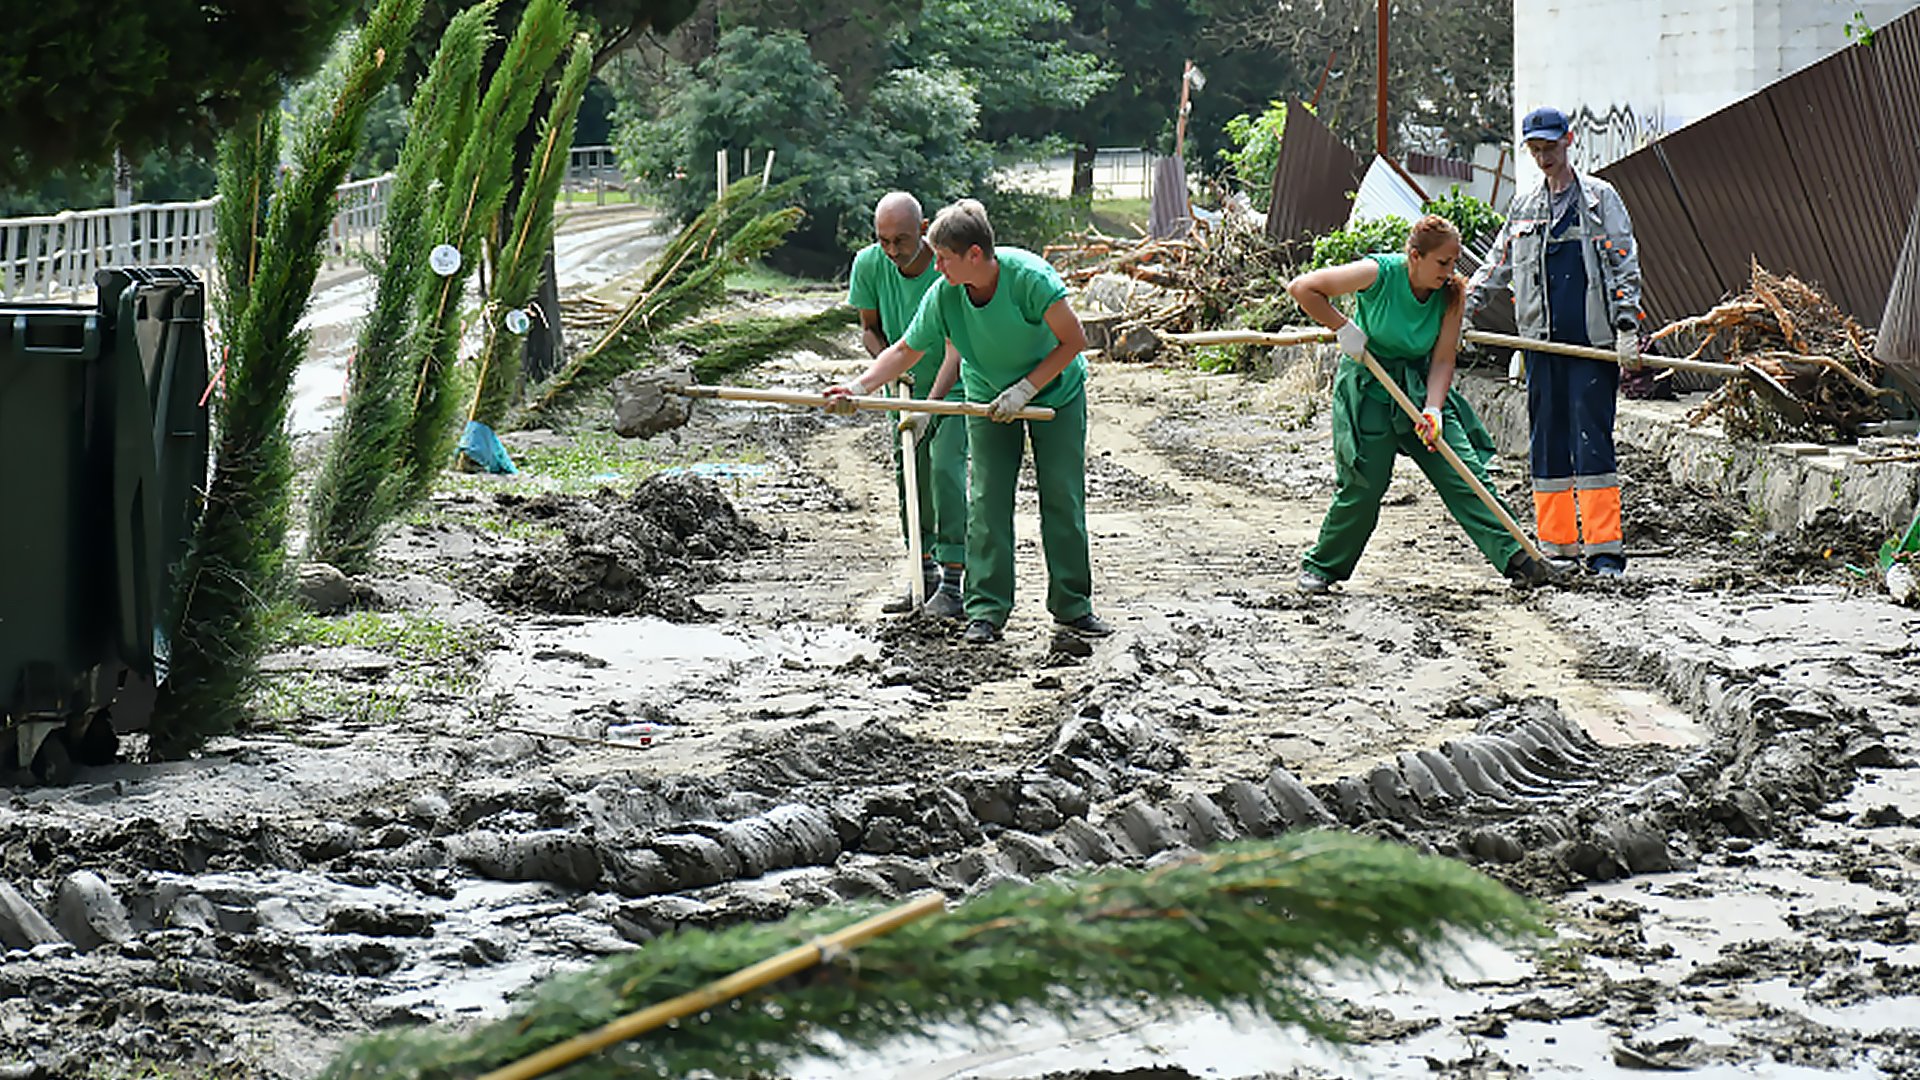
{"points": [[1478, 337], [1413, 413], [881, 404], [714, 993]]}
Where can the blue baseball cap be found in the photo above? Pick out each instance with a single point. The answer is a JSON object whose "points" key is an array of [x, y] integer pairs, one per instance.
{"points": [[1547, 123]]}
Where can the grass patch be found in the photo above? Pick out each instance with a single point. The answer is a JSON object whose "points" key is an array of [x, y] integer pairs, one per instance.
{"points": [[758, 277], [417, 639], [1121, 217]]}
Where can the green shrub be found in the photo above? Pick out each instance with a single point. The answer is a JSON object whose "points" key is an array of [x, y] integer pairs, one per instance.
{"points": [[1476, 220], [1371, 237], [1256, 146]]}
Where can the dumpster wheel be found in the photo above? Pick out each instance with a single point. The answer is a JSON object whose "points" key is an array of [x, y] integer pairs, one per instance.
{"points": [[99, 744], [53, 764]]}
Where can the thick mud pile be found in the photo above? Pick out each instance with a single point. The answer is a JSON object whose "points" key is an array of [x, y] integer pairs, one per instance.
{"points": [[644, 554]]}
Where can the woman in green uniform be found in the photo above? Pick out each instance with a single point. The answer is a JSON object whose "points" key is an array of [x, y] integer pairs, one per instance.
{"points": [[1018, 342], [1408, 310]]}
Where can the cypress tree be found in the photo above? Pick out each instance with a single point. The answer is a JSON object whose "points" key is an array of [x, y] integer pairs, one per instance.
{"points": [[475, 189], [234, 577], [355, 497], [688, 277], [522, 252]]}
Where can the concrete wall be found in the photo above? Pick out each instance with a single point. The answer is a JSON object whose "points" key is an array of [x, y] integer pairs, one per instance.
{"points": [[1784, 485], [1629, 71]]}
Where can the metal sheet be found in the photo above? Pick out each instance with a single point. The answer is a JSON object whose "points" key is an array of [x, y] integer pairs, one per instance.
{"points": [[1311, 179], [1898, 346], [1814, 176]]}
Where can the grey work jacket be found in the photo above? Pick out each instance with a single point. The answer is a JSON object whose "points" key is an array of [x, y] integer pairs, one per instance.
{"points": [[1519, 256]]}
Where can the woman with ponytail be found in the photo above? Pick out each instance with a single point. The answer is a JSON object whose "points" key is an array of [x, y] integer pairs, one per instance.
{"points": [[1408, 313]]}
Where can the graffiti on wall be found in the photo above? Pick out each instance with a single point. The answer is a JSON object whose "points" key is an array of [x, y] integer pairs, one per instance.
{"points": [[1600, 139]]}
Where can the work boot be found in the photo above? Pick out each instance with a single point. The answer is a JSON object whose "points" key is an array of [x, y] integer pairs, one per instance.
{"points": [[980, 632], [944, 605], [1607, 564], [1088, 625], [1527, 572], [1312, 584]]}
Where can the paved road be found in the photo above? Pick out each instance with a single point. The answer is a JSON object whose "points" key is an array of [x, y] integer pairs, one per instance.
{"points": [[594, 245]]}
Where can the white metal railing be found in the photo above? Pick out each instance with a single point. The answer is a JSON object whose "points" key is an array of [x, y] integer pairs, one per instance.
{"points": [[592, 170], [54, 256]]}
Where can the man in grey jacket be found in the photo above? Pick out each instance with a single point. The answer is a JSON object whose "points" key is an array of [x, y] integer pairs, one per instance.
{"points": [[1568, 250]]}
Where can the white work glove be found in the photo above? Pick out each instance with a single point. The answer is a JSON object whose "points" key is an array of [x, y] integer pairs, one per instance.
{"points": [[1626, 346], [919, 424], [1011, 400], [1353, 340], [837, 402], [1428, 427]]}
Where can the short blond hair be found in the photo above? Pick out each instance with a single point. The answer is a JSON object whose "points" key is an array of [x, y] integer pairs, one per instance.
{"points": [[961, 226]]}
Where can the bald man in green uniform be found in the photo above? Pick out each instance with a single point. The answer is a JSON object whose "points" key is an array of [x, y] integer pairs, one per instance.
{"points": [[889, 277], [1005, 311]]}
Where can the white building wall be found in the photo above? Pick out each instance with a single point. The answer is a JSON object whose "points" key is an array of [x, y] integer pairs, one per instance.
{"points": [[1629, 71]]}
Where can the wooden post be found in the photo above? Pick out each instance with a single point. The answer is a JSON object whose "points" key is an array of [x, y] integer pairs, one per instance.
{"points": [[1380, 103], [720, 174], [1180, 124]]}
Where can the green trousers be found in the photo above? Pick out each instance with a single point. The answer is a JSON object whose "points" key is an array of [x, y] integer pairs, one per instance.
{"points": [[995, 452], [1369, 430], [940, 470]]}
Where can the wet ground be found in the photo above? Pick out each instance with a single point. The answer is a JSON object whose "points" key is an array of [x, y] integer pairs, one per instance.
{"points": [[647, 686]]}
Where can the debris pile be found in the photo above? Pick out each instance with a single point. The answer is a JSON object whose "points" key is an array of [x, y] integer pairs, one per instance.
{"points": [[648, 554], [1793, 333], [1226, 273]]}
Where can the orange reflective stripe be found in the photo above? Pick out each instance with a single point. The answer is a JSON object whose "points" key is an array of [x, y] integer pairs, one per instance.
{"points": [[1600, 514], [1555, 518]]}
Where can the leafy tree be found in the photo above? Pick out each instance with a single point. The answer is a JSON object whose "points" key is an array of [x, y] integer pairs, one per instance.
{"points": [[1015, 54], [920, 125], [1256, 146], [162, 176], [82, 80], [763, 90], [1450, 63]]}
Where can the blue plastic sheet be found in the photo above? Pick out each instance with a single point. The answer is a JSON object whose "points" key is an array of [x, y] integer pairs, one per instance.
{"points": [[482, 447]]}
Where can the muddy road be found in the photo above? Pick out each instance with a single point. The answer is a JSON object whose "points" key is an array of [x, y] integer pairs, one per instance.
{"points": [[647, 686]]}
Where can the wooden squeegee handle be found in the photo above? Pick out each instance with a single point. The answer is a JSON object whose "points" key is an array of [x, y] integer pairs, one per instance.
{"points": [[1479, 489], [883, 404]]}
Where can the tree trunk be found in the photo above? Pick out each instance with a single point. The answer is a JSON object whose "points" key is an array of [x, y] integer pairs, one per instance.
{"points": [[1083, 171], [546, 342]]}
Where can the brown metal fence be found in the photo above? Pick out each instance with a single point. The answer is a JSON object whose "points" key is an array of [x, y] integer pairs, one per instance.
{"points": [[1813, 176], [1312, 179]]}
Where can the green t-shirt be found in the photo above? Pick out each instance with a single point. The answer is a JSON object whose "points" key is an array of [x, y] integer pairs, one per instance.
{"points": [[877, 284], [1001, 341], [1398, 326]]}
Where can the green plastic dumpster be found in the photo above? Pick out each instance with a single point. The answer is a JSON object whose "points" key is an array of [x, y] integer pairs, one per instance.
{"points": [[103, 455]]}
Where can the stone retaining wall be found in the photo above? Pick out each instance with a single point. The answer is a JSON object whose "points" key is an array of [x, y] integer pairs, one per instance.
{"points": [[1786, 484]]}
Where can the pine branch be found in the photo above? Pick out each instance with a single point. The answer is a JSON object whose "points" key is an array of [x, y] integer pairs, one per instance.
{"points": [[354, 497], [733, 345], [522, 255], [688, 277], [471, 200], [234, 577], [1250, 926], [249, 156]]}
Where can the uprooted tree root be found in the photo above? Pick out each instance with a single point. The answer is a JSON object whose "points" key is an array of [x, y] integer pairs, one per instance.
{"points": [[1791, 331]]}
